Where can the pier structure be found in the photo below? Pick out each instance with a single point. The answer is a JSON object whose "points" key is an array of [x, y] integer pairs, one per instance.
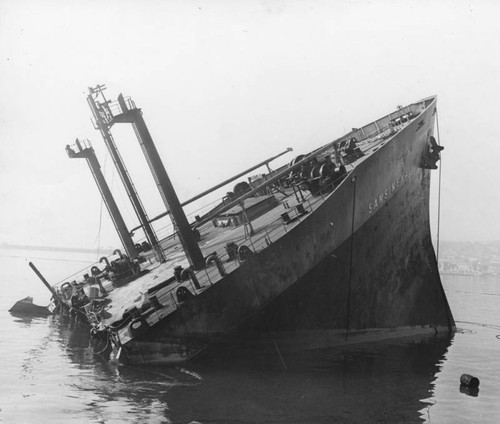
{"points": [[87, 152], [103, 121]]}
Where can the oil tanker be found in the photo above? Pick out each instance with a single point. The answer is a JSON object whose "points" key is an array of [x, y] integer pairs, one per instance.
{"points": [[333, 248]]}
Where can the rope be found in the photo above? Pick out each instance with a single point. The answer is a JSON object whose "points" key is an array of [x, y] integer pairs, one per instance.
{"points": [[439, 190], [471, 292], [98, 238], [40, 258], [493, 326]]}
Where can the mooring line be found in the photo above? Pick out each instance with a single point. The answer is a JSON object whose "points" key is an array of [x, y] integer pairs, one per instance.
{"points": [[496, 327], [46, 259], [439, 189], [471, 292]]}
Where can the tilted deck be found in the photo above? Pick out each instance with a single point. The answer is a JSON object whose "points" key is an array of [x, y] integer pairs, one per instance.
{"points": [[156, 298]]}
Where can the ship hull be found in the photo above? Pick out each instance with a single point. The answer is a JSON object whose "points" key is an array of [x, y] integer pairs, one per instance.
{"points": [[359, 267]]}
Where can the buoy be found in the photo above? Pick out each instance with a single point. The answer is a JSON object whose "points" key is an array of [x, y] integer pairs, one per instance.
{"points": [[469, 380], [469, 391]]}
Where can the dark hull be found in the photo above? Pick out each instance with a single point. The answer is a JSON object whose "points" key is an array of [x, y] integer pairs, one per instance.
{"points": [[360, 266], [373, 284]]}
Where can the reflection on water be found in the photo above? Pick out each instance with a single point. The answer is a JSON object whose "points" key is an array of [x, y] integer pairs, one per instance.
{"points": [[53, 375], [375, 382], [366, 383]]}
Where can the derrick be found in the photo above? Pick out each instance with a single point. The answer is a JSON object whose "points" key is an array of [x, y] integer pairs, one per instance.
{"points": [[103, 121], [108, 113], [88, 153]]}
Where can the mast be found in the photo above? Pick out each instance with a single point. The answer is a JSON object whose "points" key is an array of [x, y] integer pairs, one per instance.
{"points": [[89, 154], [103, 121], [131, 114]]}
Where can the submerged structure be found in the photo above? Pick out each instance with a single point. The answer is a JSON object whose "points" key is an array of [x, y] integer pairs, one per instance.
{"points": [[333, 248]]}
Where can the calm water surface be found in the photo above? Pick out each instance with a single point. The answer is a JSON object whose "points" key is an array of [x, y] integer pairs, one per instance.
{"points": [[49, 374]]}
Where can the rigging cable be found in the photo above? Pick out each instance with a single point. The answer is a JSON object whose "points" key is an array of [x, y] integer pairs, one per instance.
{"points": [[98, 238], [451, 324], [439, 189]]}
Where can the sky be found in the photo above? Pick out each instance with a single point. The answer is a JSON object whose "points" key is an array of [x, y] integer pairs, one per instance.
{"points": [[226, 84]]}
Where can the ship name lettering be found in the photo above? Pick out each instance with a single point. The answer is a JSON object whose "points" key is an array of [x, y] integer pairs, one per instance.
{"points": [[387, 193]]}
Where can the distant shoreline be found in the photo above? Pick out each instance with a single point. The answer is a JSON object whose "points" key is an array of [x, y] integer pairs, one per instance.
{"points": [[53, 248]]}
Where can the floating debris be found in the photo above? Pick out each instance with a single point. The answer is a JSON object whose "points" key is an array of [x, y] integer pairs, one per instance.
{"points": [[469, 380], [26, 308]]}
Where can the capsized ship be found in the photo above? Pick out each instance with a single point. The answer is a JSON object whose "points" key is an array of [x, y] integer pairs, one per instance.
{"points": [[333, 248]]}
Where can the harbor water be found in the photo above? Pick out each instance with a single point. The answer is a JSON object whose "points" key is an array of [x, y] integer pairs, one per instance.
{"points": [[49, 374]]}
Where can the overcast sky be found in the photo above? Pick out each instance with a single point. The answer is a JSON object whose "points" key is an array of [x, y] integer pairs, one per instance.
{"points": [[226, 84]]}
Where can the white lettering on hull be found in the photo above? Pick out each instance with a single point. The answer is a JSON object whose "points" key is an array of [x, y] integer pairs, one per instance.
{"points": [[385, 195]]}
